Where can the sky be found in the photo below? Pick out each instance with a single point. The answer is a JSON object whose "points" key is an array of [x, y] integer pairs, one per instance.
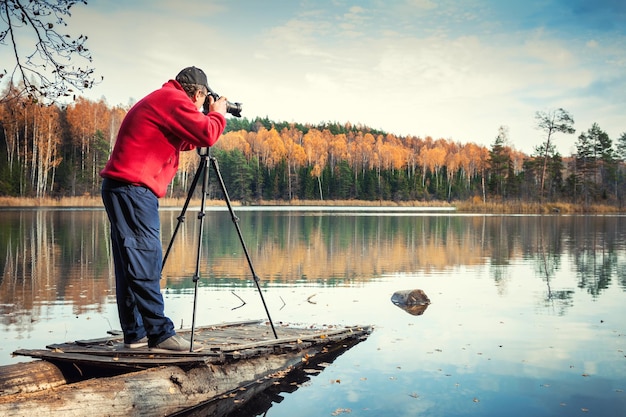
{"points": [[457, 70]]}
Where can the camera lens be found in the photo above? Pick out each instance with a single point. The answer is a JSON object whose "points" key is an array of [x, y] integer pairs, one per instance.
{"points": [[233, 108]]}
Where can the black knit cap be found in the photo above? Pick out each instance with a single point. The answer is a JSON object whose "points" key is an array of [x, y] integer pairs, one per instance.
{"points": [[193, 75]]}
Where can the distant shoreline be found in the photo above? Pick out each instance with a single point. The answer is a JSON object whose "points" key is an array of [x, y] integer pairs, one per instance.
{"points": [[508, 207], [96, 202]]}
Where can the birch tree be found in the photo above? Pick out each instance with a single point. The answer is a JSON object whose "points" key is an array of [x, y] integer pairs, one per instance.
{"points": [[552, 122]]}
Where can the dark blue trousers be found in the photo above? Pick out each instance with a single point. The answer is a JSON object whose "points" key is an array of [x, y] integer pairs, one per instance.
{"points": [[137, 255]]}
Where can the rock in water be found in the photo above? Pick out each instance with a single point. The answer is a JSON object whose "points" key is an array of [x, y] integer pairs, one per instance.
{"points": [[413, 302]]}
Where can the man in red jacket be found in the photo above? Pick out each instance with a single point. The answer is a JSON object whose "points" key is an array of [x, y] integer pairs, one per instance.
{"points": [[143, 162]]}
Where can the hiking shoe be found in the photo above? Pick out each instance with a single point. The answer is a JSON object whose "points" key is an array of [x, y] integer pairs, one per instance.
{"points": [[143, 342], [177, 344]]}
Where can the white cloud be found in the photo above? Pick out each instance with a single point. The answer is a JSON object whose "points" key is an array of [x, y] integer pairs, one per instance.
{"points": [[423, 4], [412, 67]]}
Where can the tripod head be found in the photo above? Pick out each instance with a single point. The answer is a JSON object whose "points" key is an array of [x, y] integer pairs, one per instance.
{"points": [[204, 151]]}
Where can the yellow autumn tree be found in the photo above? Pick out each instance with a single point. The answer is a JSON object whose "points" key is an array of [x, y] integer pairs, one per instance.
{"points": [[316, 149], [295, 154]]}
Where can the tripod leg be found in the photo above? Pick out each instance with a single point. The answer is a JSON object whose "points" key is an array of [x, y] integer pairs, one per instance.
{"points": [[196, 277], [243, 244], [181, 217]]}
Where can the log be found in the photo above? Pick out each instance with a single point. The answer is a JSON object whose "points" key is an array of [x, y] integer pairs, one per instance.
{"points": [[27, 377], [157, 391]]}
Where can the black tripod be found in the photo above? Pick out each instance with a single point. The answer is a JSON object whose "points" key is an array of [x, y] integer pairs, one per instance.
{"points": [[203, 171]]}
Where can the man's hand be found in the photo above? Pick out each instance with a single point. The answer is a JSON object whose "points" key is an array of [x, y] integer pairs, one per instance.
{"points": [[218, 106]]}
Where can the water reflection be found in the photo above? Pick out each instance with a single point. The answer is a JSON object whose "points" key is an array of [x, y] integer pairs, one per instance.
{"points": [[526, 310], [64, 255], [257, 398]]}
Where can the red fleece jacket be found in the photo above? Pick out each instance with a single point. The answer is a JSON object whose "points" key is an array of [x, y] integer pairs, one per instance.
{"points": [[153, 133]]}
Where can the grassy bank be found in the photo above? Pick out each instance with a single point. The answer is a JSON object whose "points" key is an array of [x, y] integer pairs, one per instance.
{"points": [[469, 206], [534, 208]]}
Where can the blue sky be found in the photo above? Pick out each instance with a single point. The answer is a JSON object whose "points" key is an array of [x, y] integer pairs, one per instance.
{"points": [[452, 69]]}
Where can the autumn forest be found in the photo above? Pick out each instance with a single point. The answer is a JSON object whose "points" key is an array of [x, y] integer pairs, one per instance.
{"points": [[58, 151]]}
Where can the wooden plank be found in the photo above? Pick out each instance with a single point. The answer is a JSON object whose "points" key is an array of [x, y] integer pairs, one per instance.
{"points": [[117, 335], [100, 360], [317, 337]]}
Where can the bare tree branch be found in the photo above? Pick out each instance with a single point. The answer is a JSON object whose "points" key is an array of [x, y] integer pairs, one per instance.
{"points": [[47, 72]]}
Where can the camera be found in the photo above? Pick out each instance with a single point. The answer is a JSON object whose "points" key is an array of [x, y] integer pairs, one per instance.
{"points": [[231, 108]]}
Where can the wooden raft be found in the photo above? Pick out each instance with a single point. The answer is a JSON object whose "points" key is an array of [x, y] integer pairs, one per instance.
{"points": [[223, 343], [101, 377]]}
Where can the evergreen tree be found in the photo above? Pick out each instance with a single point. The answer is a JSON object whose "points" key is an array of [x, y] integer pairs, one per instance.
{"points": [[620, 170], [499, 164], [621, 147], [586, 164]]}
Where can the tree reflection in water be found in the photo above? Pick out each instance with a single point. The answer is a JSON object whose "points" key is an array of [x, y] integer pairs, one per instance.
{"points": [[51, 255]]}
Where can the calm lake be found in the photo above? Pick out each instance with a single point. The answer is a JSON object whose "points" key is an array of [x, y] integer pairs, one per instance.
{"points": [[527, 315]]}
